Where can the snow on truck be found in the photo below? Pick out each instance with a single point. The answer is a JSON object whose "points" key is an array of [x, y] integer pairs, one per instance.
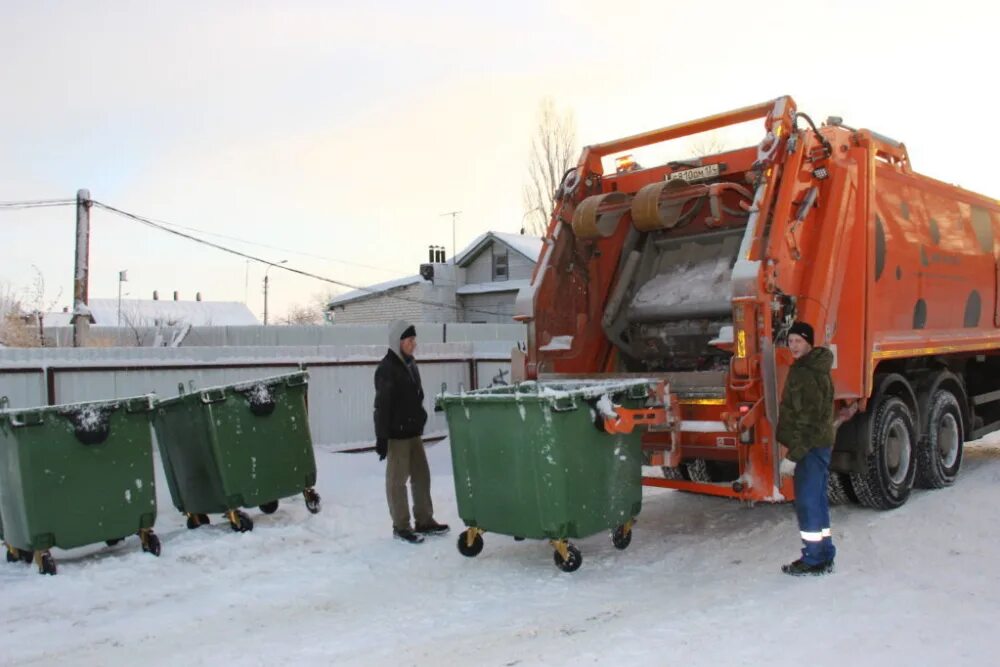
{"points": [[691, 272]]}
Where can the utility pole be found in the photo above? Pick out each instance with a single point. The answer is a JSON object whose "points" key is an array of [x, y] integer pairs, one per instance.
{"points": [[81, 313], [122, 278], [270, 266], [452, 214]]}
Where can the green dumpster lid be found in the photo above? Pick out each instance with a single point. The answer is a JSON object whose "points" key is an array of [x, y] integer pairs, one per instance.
{"points": [[300, 377], [531, 389], [107, 404]]}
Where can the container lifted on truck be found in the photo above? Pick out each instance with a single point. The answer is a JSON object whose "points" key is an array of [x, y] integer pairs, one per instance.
{"points": [[691, 272]]}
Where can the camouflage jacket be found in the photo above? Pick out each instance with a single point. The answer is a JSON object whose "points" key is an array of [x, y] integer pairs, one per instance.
{"points": [[805, 418]]}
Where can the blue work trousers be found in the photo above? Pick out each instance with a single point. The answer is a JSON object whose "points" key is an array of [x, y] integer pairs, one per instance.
{"points": [[812, 507]]}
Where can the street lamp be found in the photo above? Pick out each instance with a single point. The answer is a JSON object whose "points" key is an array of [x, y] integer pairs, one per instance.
{"points": [[269, 267]]}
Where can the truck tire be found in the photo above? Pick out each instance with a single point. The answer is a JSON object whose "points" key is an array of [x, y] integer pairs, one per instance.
{"points": [[674, 473], [892, 466], [838, 491], [704, 470], [939, 455]]}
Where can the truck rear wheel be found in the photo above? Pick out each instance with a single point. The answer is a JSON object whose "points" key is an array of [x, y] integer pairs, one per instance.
{"points": [[939, 456], [887, 481], [704, 470], [838, 490]]}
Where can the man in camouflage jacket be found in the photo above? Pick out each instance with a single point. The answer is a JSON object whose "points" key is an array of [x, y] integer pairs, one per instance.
{"points": [[806, 432]]}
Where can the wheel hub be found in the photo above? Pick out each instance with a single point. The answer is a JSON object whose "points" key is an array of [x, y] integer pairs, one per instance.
{"points": [[947, 440], [898, 451]]}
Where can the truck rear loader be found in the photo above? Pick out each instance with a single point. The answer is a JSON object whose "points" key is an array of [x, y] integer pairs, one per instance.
{"points": [[691, 272]]}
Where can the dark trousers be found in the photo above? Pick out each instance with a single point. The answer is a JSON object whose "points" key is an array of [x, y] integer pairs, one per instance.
{"points": [[812, 507], [407, 461]]}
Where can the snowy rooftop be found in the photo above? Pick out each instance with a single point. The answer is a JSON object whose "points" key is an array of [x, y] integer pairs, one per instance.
{"points": [[150, 312], [371, 290], [529, 246]]}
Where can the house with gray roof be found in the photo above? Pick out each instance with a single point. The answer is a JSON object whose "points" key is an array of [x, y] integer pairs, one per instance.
{"points": [[479, 285]]}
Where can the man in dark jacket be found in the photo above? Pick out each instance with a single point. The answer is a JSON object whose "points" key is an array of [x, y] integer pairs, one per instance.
{"points": [[399, 425], [806, 433]]}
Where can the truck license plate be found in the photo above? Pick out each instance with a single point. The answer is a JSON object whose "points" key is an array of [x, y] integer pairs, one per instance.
{"points": [[695, 174]]}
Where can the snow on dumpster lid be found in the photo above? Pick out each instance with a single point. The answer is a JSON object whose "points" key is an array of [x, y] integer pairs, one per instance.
{"points": [[64, 408], [585, 389], [245, 386]]}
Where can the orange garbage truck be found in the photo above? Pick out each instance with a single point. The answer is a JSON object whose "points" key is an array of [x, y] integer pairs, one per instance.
{"points": [[691, 272]]}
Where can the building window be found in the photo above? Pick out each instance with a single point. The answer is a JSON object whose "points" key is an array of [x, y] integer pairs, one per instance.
{"points": [[500, 266]]}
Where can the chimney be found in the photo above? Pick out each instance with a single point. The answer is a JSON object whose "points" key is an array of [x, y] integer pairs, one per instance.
{"points": [[197, 296], [440, 254], [65, 309], [156, 295], [431, 253], [175, 296]]}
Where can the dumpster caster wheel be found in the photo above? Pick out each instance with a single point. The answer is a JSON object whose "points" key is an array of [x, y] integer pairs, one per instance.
{"points": [[518, 538], [622, 537], [46, 563], [150, 543], [196, 520], [269, 508], [470, 543], [113, 542], [571, 561], [312, 500], [19, 555], [239, 521]]}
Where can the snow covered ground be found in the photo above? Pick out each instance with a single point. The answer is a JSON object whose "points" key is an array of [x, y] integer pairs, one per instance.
{"points": [[700, 585]]}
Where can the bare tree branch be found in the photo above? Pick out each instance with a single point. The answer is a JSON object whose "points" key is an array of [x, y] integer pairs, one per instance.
{"points": [[303, 314], [553, 151]]}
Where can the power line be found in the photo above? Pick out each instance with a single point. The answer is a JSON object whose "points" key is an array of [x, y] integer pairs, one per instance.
{"points": [[164, 227], [67, 202], [272, 247], [36, 203]]}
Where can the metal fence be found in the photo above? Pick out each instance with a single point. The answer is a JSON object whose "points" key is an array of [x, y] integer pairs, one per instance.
{"points": [[295, 335], [341, 388]]}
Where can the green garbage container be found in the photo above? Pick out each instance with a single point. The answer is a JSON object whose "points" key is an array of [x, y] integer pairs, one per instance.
{"points": [[239, 445], [72, 475], [532, 460]]}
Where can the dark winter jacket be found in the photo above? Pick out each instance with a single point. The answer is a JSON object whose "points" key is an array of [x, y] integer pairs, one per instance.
{"points": [[399, 396], [805, 418]]}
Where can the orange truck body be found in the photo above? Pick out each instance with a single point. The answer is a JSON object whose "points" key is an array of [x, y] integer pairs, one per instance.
{"points": [[691, 272]]}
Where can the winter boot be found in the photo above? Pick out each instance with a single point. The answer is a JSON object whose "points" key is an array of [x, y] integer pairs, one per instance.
{"points": [[801, 569], [432, 528], [407, 535]]}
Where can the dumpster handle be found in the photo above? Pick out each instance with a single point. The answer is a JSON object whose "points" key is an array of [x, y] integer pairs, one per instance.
{"points": [[213, 395], [564, 404], [140, 404], [26, 419], [638, 391]]}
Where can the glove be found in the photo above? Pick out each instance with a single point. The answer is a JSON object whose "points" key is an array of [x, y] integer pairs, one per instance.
{"points": [[786, 468], [381, 448]]}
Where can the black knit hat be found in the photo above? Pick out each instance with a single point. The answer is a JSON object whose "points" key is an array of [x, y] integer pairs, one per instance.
{"points": [[408, 331], [804, 330]]}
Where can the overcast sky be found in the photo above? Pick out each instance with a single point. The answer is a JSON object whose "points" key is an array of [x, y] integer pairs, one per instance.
{"points": [[338, 134]]}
